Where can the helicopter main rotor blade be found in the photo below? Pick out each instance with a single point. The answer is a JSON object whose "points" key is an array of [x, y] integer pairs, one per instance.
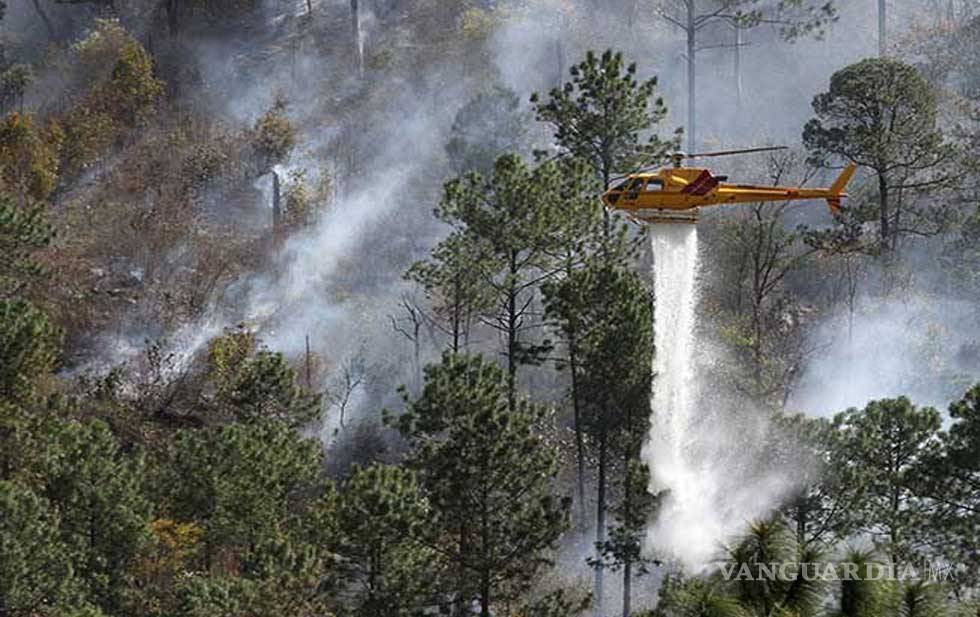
{"points": [[700, 155]]}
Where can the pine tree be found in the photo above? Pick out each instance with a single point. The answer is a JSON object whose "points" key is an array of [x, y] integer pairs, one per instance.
{"points": [[950, 476], [578, 238], [614, 313], [508, 222], [489, 479], [453, 284], [23, 230], [603, 114], [890, 441], [104, 514], [381, 513], [487, 126], [240, 484], [36, 575], [253, 384], [29, 348], [881, 114]]}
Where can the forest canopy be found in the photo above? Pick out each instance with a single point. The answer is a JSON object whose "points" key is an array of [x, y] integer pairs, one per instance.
{"points": [[314, 309]]}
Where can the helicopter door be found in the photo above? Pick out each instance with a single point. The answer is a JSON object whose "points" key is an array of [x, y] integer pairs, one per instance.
{"points": [[633, 192]]}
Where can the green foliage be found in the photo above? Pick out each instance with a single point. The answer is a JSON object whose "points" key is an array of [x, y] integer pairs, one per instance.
{"points": [[162, 565], [921, 598], [100, 47], [624, 546], [881, 114], [951, 476], [29, 349], [799, 18], [36, 576], [28, 157], [292, 588], [132, 89], [14, 81], [253, 384], [695, 597], [487, 126], [240, 484], [304, 202], [961, 257], [453, 283], [888, 443], [770, 542], [98, 491], [382, 514], [821, 508], [88, 134], [265, 387], [115, 99], [273, 138], [488, 477], [863, 596], [24, 229], [611, 309], [602, 114], [509, 224]]}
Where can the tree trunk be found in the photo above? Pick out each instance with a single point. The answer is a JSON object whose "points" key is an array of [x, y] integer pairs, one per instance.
{"points": [[512, 335], [627, 587], [579, 436], [309, 366], [358, 41], [485, 595], [884, 214], [464, 599], [801, 520], [485, 549], [560, 49], [628, 509], [691, 51], [173, 17], [600, 527], [44, 17], [882, 29], [276, 204], [737, 68], [577, 415]]}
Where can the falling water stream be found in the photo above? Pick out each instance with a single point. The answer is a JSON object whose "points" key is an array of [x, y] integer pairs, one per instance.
{"points": [[680, 528], [708, 455]]}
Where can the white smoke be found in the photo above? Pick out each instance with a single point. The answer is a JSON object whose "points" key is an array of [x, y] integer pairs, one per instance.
{"points": [[921, 346]]}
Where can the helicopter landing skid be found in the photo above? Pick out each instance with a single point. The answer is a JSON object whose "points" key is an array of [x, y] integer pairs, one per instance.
{"points": [[666, 216]]}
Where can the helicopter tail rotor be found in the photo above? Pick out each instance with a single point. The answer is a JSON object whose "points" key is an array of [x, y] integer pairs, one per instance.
{"points": [[837, 188]]}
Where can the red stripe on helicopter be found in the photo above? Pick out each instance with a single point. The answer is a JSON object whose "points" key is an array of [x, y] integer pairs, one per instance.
{"points": [[702, 185]]}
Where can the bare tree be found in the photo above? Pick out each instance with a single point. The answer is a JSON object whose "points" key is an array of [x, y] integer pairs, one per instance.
{"points": [[353, 374], [692, 17], [410, 326]]}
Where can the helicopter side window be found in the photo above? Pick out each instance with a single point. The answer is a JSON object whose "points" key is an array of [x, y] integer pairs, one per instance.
{"points": [[654, 185]]}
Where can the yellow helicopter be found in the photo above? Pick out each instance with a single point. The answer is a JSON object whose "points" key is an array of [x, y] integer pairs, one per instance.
{"points": [[674, 194]]}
